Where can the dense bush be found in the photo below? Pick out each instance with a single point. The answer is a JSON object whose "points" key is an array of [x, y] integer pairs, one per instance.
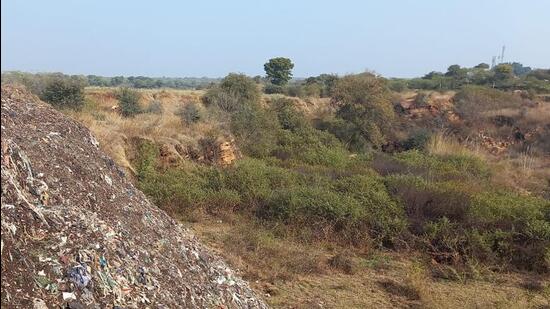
{"points": [[443, 167], [312, 147], [274, 89], [233, 93], [385, 218], [460, 223], [397, 85], [323, 83], [296, 90], [364, 101], [288, 116], [64, 93], [417, 140], [255, 130], [317, 209], [348, 133], [128, 101]]}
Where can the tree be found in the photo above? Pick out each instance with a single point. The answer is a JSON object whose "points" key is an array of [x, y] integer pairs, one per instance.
{"points": [[453, 70], [504, 71], [519, 69], [117, 81], [459, 76], [279, 70], [482, 65], [364, 101], [432, 75]]}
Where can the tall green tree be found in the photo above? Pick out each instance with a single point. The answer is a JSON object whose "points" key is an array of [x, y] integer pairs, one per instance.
{"points": [[482, 65], [279, 70], [504, 71], [453, 70]]}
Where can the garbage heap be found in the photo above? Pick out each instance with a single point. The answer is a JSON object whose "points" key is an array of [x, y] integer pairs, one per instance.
{"points": [[77, 234]]}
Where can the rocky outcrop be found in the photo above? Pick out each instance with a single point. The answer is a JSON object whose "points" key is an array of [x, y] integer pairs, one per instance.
{"points": [[77, 234]]}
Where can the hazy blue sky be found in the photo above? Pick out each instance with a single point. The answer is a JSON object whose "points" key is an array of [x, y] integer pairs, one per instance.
{"points": [[212, 38]]}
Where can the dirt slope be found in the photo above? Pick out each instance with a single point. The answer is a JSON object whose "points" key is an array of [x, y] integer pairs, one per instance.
{"points": [[75, 232]]}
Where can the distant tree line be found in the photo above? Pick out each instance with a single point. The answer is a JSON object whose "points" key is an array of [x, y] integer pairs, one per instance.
{"points": [[34, 80], [505, 76], [151, 82]]}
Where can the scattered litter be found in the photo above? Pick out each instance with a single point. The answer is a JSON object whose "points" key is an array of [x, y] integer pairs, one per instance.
{"points": [[102, 261], [38, 303], [79, 275], [68, 296], [8, 206], [108, 180]]}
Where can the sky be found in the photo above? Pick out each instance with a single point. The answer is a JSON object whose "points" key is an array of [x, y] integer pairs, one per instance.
{"points": [[395, 38]]}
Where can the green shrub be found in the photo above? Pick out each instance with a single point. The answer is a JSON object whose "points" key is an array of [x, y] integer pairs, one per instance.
{"points": [[364, 101], [385, 218], [128, 101], [322, 211], [312, 147], [295, 91], [461, 224], [443, 166], [313, 90], [223, 200], [274, 89], [511, 211], [348, 133], [235, 92], [288, 116], [255, 130], [417, 140], [427, 201], [397, 85], [145, 162], [226, 101], [64, 93], [255, 180]]}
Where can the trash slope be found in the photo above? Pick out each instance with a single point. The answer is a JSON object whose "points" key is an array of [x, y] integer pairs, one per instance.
{"points": [[75, 232]]}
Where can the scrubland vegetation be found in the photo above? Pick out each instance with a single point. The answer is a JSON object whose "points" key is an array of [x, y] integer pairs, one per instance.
{"points": [[346, 179]]}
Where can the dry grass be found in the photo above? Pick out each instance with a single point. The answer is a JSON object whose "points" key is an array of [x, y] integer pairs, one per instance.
{"points": [[523, 172], [443, 144], [262, 255], [114, 131], [292, 275], [539, 114]]}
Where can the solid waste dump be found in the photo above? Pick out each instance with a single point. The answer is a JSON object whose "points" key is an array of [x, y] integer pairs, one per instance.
{"points": [[76, 233]]}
